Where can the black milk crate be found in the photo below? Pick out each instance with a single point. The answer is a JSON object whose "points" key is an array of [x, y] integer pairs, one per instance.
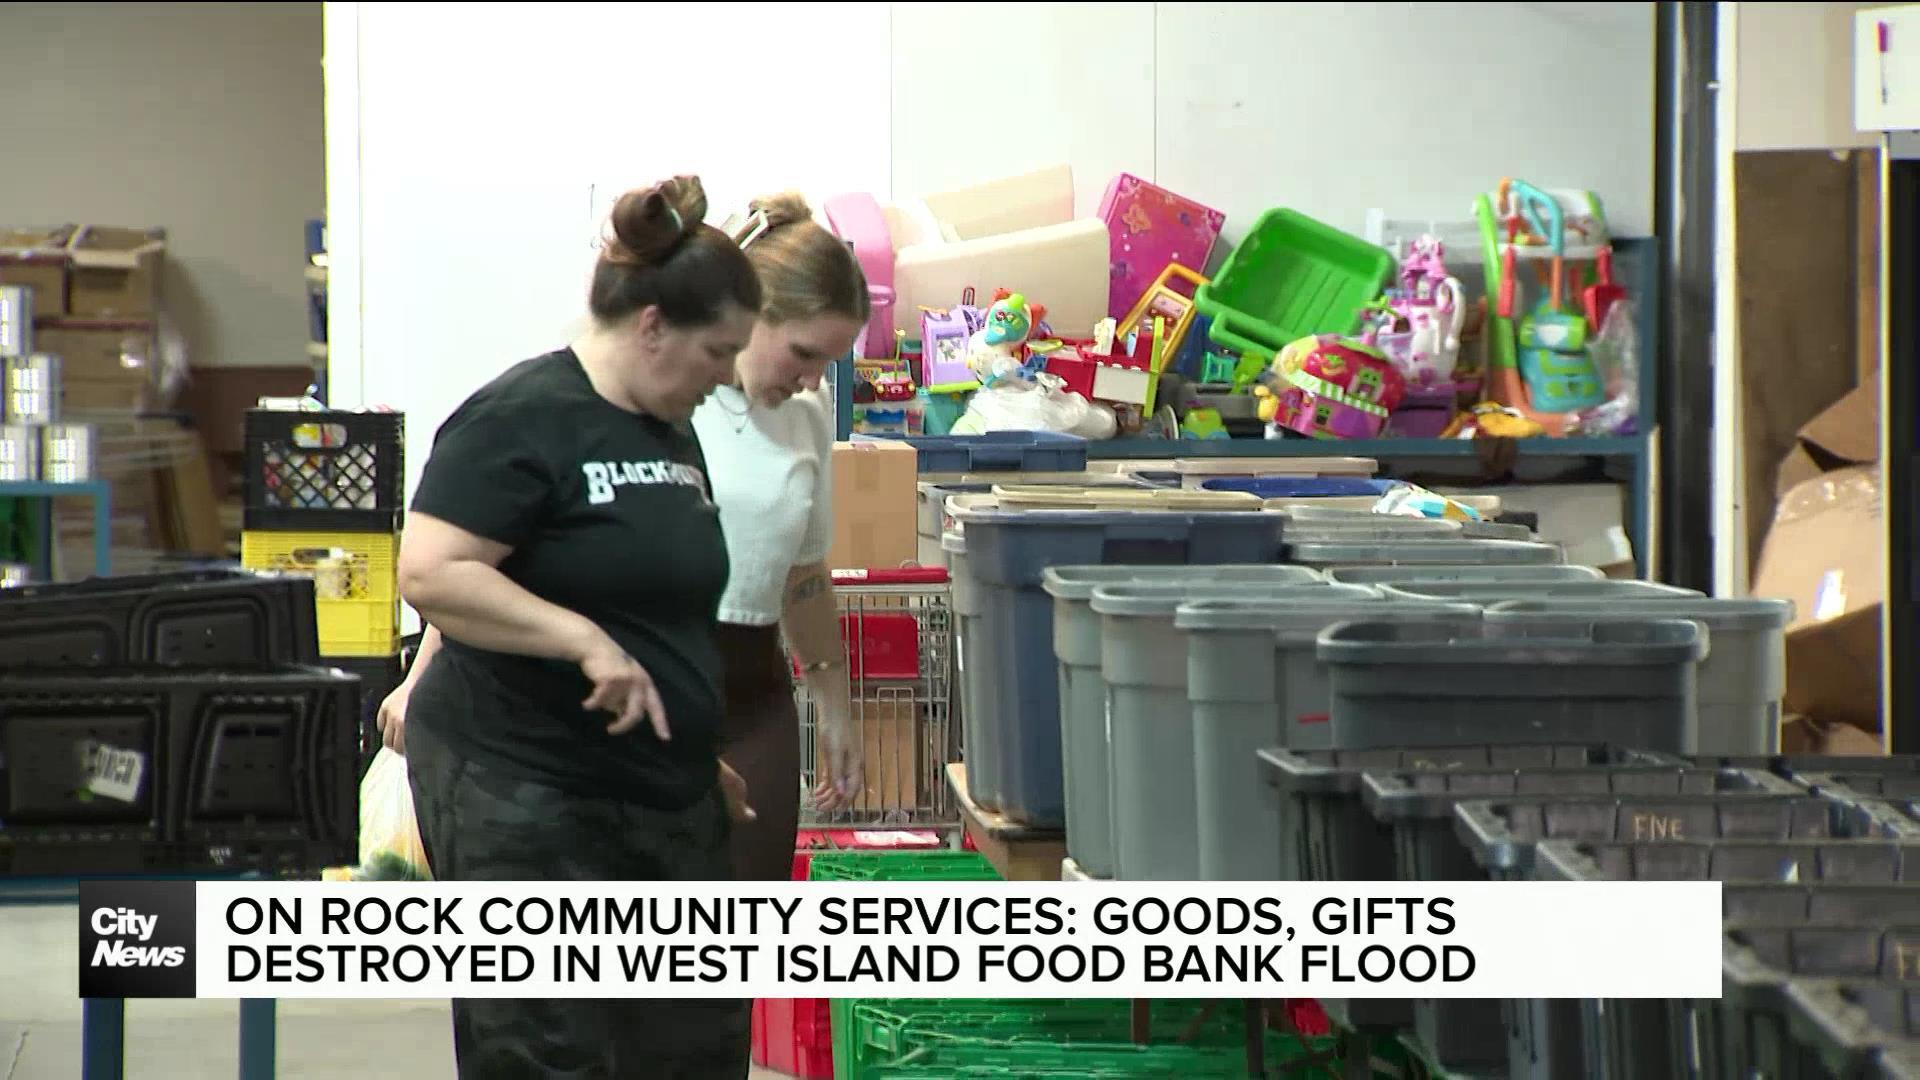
{"points": [[1854, 1028], [378, 676], [1644, 1037], [142, 771], [1442, 831], [191, 618], [1326, 833], [325, 471]]}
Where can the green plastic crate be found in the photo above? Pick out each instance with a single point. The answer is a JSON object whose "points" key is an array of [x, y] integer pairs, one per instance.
{"points": [[1102, 1060], [900, 866], [883, 1032], [1292, 277]]}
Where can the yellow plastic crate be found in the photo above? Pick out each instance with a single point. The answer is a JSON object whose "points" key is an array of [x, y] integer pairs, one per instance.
{"points": [[356, 584]]}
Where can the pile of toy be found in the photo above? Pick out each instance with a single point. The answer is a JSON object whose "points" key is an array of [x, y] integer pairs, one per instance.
{"points": [[1108, 326]]}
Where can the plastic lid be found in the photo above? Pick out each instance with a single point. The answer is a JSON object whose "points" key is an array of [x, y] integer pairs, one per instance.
{"points": [[1488, 592], [1276, 466], [953, 543], [983, 481], [1078, 582], [1425, 551], [1728, 614], [1488, 505], [1026, 497], [1375, 527], [1384, 575], [1308, 620], [1263, 613], [1165, 599], [1450, 642]]}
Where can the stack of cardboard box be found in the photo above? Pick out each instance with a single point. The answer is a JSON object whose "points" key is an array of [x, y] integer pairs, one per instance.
{"points": [[96, 301], [1826, 551]]}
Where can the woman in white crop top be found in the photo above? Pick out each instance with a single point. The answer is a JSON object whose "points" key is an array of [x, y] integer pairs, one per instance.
{"points": [[768, 441]]}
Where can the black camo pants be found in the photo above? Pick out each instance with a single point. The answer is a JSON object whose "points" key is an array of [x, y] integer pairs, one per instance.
{"points": [[477, 826]]}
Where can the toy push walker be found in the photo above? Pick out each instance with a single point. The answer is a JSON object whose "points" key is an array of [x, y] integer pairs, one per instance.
{"points": [[1538, 361]]}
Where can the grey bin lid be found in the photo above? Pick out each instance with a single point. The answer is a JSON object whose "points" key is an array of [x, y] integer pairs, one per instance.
{"points": [[1489, 592], [1078, 582], [1162, 600], [1377, 527], [1391, 575], [1422, 551], [1473, 641], [1718, 614], [1308, 620], [1252, 613]]}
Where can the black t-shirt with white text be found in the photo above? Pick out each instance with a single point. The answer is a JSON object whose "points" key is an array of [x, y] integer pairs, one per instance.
{"points": [[609, 515]]}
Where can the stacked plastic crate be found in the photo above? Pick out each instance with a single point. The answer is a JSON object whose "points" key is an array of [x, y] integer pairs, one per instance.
{"points": [[177, 723], [323, 499]]}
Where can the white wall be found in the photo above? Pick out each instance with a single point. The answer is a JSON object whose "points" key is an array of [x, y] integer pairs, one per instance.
{"points": [[1795, 88], [469, 156], [203, 118]]}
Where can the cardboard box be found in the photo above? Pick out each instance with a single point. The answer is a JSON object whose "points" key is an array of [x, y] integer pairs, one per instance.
{"points": [[1826, 552], [115, 272], [37, 258], [891, 733], [1847, 433], [105, 365], [875, 505]]}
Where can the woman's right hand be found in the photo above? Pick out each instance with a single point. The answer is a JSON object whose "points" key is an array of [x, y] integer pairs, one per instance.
{"points": [[622, 687], [391, 720]]}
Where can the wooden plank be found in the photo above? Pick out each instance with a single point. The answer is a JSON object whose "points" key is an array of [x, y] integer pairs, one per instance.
{"points": [[1017, 852], [1796, 279]]}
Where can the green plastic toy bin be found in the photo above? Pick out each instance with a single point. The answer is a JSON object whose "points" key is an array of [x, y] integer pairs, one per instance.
{"points": [[1290, 278]]}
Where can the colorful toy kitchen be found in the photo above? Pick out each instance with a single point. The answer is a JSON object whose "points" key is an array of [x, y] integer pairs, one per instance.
{"points": [[1513, 345]]}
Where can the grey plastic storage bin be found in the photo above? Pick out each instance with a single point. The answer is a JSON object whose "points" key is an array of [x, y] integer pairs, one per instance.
{"points": [[1007, 553], [978, 748], [1495, 592], [1235, 684], [1085, 769], [1308, 525], [1149, 720], [1404, 575], [1423, 552], [1447, 683], [1743, 677], [1305, 688]]}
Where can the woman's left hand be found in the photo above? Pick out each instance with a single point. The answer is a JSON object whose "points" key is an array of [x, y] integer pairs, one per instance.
{"points": [[840, 779], [733, 787]]}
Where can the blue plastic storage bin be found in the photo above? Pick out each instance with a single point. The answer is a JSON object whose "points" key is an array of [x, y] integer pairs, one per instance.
{"points": [[1300, 487], [996, 451], [1007, 555]]}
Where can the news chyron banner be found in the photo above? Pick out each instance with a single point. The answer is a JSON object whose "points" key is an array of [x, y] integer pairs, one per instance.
{"points": [[925, 939]]}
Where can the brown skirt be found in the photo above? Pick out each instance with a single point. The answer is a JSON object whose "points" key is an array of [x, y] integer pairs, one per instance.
{"points": [[760, 738]]}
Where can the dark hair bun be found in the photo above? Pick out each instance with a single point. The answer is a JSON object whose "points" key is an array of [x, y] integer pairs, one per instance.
{"points": [[649, 223]]}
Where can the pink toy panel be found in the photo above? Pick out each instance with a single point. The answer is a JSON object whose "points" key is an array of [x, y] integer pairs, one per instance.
{"points": [[1149, 227]]}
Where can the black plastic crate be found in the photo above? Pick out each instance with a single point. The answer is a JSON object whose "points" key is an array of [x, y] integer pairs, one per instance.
{"points": [[1327, 833], [1854, 1028], [325, 471], [1643, 1037], [1428, 814], [197, 618], [150, 771]]}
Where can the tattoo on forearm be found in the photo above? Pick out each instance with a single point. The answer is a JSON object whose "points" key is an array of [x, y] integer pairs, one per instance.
{"points": [[808, 587]]}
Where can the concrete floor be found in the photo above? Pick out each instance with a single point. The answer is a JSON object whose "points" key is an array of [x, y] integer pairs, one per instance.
{"points": [[336, 1040]]}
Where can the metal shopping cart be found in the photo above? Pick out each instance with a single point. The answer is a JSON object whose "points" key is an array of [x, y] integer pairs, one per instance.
{"points": [[899, 631]]}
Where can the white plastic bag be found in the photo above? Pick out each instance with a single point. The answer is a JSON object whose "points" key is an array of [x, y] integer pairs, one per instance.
{"points": [[390, 848], [1044, 404]]}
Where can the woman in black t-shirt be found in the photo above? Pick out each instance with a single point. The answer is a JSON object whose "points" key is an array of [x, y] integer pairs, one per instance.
{"points": [[565, 549]]}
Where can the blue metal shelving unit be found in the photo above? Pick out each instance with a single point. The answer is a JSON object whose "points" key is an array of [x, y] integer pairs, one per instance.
{"points": [[1635, 266]]}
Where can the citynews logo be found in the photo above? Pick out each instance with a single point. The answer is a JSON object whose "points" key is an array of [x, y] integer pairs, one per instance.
{"points": [[136, 939]]}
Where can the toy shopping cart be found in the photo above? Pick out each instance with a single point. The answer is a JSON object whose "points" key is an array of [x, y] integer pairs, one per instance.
{"points": [[899, 632]]}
